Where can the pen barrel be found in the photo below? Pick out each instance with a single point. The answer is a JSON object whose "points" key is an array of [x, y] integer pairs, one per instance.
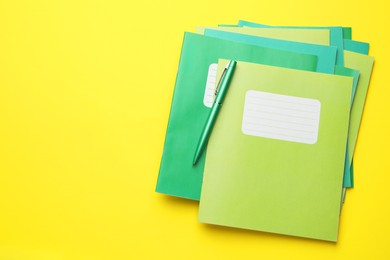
{"points": [[206, 131], [210, 122]]}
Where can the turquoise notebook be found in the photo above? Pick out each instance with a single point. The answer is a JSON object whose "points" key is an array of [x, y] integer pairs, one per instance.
{"points": [[326, 54]]}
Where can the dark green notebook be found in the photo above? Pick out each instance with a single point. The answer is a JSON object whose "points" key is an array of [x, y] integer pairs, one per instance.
{"points": [[191, 100]]}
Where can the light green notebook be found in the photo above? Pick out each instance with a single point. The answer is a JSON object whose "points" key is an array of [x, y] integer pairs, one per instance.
{"points": [[275, 158], [364, 64], [192, 99], [347, 31], [336, 35], [321, 37]]}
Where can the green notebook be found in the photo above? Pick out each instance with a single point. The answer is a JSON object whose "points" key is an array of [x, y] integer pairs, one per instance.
{"points": [[275, 158], [192, 99]]}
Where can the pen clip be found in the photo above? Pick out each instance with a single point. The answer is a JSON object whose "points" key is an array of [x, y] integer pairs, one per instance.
{"points": [[220, 79]]}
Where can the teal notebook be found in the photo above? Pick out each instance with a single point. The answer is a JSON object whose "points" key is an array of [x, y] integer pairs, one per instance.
{"points": [[192, 99], [356, 46]]}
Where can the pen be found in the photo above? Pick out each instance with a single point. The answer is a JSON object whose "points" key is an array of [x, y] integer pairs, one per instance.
{"points": [[220, 93]]}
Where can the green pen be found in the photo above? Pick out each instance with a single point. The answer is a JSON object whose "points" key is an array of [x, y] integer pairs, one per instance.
{"points": [[220, 93]]}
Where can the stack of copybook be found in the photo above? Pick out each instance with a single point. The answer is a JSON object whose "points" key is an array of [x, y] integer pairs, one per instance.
{"points": [[274, 151]]}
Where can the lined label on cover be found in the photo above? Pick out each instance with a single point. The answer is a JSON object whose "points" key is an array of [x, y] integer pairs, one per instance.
{"points": [[281, 117], [210, 85]]}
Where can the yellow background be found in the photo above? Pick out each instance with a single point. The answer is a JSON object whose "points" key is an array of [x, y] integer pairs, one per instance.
{"points": [[85, 93]]}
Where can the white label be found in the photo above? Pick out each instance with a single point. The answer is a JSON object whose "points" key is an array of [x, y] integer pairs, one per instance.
{"points": [[210, 85], [281, 117]]}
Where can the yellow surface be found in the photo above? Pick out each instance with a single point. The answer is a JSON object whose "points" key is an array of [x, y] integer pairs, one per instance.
{"points": [[85, 92]]}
